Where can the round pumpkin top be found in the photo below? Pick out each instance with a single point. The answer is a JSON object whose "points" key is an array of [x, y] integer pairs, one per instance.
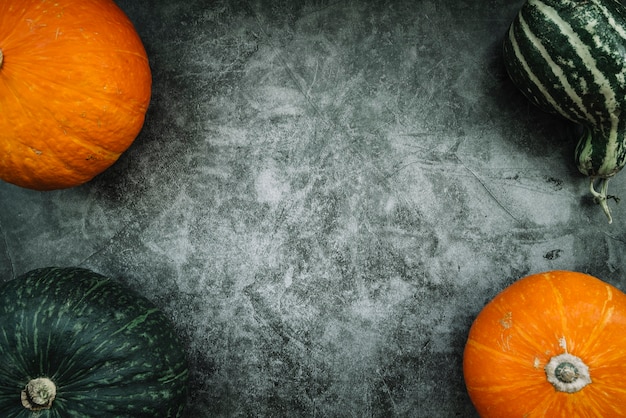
{"points": [[75, 85], [550, 345]]}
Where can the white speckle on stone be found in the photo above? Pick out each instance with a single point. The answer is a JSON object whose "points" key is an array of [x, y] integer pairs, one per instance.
{"points": [[289, 277], [269, 188]]}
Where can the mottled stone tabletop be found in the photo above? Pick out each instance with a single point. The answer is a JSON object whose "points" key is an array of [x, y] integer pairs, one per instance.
{"points": [[323, 197]]}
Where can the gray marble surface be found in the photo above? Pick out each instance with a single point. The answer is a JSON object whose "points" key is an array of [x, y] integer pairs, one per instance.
{"points": [[323, 197]]}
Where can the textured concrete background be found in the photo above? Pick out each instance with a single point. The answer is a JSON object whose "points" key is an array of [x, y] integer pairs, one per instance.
{"points": [[323, 197]]}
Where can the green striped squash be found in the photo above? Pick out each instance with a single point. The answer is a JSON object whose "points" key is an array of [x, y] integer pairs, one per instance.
{"points": [[74, 343], [569, 57]]}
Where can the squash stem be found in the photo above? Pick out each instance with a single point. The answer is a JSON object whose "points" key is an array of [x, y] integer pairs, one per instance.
{"points": [[601, 197], [567, 373], [1, 58], [38, 394]]}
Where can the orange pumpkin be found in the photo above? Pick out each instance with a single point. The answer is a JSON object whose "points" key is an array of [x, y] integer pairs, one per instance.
{"points": [[75, 85], [550, 345]]}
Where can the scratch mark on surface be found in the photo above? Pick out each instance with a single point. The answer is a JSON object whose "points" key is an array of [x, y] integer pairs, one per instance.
{"points": [[106, 245], [308, 92], [488, 190], [387, 390], [615, 238]]}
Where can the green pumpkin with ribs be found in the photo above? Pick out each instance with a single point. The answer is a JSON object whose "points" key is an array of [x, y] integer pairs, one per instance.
{"points": [[74, 343]]}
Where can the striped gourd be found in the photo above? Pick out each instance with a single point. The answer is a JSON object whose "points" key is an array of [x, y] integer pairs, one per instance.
{"points": [[569, 57]]}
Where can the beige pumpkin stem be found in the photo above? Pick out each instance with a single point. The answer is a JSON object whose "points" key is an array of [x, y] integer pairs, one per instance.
{"points": [[567, 373], [39, 394], [601, 197], [1, 58]]}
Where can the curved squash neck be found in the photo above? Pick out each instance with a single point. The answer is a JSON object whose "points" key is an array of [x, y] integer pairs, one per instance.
{"points": [[600, 154]]}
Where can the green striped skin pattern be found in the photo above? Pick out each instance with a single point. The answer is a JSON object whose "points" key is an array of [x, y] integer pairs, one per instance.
{"points": [[110, 351], [569, 57]]}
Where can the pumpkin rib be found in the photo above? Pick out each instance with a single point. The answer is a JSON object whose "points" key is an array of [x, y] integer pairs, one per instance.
{"points": [[17, 363], [107, 148], [95, 95], [608, 387], [488, 397], [73, 169], [546, 403], [8, 28], [593, 409], [24, 66], [563, 406], [14, 93], [498, 352], [534, 392], [558, 304], [599, 326]]}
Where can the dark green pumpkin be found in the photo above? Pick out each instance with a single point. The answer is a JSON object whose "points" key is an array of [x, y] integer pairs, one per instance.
{"points": [[108, 351]]}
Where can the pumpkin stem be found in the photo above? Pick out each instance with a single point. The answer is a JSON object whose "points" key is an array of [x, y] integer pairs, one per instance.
{"points": [[39, 394], [1, 58], [567, 373], [601, 197]]}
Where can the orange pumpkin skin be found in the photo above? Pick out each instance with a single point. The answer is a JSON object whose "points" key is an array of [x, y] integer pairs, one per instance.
{"points": [[535, 319], [75, 84]]}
